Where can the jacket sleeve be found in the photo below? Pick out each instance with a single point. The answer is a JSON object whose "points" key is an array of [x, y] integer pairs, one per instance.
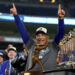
{"points": [[21, 28], [60, 31], [3, 66]]}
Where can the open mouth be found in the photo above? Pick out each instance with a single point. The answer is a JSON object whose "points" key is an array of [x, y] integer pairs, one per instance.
{"points": [[40, 40]]}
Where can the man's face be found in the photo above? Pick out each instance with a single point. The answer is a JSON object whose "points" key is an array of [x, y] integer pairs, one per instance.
{"points": [[11, 54], [41, 38], [1, 59], [10, 45]]}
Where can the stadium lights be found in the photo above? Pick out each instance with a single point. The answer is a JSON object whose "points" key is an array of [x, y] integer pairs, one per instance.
{"points": [[52, 1], [41, 0]]}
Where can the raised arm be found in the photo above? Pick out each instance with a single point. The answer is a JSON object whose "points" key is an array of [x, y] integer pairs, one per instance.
{"points": [[20, 26], [61, 29]]}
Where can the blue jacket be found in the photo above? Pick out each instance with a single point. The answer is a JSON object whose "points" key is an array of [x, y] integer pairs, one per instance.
{"points": [[4, 66]]}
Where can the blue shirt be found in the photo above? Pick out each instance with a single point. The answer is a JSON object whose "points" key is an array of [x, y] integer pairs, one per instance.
{"points": [[4, 65], [43, 52]]}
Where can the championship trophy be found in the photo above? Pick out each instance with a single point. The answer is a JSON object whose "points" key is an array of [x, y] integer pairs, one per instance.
{"points": [[68, 43], [35, 59]]}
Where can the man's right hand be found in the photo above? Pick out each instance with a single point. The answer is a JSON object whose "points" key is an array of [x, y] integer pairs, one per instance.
{"points": [[13, 10], [61, 12], [26, 50]]}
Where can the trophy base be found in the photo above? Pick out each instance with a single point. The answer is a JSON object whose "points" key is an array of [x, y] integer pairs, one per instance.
{"points": [[31, 73]]}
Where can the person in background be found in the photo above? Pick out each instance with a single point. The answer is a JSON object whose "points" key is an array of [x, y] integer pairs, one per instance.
{"points": [[41, 51], [9, 46], [1, 58], [6, 67], [20, 62]]}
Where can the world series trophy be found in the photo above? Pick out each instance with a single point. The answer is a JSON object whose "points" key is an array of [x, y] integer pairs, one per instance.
{"points": [[68, 43], [35, 59]]}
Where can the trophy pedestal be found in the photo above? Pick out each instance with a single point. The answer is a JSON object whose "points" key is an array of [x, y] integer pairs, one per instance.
{"points": [[31, 73]]}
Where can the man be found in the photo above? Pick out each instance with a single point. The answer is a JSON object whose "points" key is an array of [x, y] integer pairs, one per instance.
{"points": [[1, 58], [19, 63], [9, 46], [48, 55], [6, 68]]}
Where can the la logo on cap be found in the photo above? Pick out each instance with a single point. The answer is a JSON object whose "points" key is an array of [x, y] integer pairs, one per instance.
{"points": [[42, 29]]}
